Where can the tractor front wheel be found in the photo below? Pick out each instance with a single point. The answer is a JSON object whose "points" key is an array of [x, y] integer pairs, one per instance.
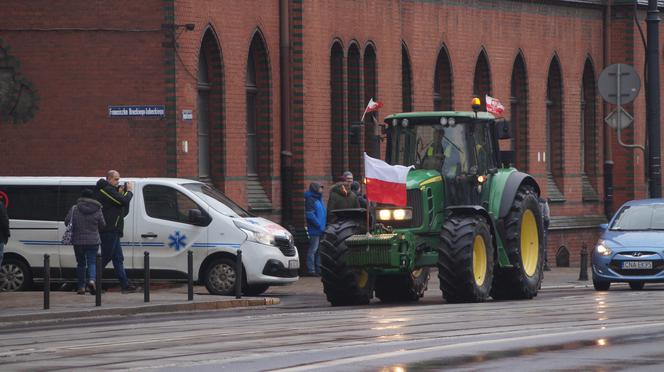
{"points": [[525, 249], [343, 285], [402, 288], [465, 259]]}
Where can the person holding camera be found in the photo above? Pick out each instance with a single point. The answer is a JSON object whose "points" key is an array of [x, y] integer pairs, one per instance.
{"points": [[115, 201]]}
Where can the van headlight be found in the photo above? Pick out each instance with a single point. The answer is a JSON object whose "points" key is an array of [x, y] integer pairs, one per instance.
{"points": [[255, 234], [399, 214], [602, 249]]}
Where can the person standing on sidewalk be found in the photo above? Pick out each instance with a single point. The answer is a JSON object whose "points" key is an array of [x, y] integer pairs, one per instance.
{"points": [[115, 205], [4, 229], [316, 221], [86, 220], [341, 197]]}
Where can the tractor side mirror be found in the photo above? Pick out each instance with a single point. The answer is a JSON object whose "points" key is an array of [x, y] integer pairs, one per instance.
{"points": [[503, 129], [355, 132], [507, 158]]}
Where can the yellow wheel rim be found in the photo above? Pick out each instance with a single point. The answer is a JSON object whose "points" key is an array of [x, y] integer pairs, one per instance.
{"points": [[529, 243], [362, 278], [479, 260], [416, 273]]}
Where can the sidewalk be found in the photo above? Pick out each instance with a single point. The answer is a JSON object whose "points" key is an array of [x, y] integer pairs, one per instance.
{"points": [[17, 307]]}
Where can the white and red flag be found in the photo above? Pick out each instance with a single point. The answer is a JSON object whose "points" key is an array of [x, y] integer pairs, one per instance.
{"points": [[385, 183], [493, 106], [372, 106]]}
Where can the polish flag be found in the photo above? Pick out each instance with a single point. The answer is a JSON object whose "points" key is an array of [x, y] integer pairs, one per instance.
{"points": [[493, 106], [372, 106], [385, 183]]}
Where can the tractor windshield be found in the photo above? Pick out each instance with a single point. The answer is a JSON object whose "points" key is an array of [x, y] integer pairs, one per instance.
{"points": [[429, 147]]}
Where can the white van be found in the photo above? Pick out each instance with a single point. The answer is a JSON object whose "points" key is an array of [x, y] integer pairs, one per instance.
{"points": [[167, 217]]}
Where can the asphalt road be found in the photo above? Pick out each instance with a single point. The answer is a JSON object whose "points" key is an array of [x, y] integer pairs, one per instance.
{"points": [[561, 329]]}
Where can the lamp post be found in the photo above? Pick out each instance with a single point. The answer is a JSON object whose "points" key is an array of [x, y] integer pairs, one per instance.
{"points": [[652, 102]]}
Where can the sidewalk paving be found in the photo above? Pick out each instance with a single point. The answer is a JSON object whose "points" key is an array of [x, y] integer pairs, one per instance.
{"points": [[21, 307]]}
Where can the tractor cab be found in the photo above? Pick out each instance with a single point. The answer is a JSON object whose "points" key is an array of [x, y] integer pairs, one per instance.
{"points": [[461, 146]]}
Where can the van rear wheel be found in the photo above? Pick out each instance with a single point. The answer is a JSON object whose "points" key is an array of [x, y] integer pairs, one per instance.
{"points": [[220, 277], [15, 275]]}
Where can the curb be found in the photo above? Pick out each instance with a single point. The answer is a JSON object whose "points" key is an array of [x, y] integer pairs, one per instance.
{"points": [[144, 309]]}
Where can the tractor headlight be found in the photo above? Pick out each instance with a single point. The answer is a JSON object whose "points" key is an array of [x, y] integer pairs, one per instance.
{"points": [[400, 214], [603, 249]]}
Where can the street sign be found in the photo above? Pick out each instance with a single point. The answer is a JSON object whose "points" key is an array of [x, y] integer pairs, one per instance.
{"points": [[619, 118], [619, 77]]}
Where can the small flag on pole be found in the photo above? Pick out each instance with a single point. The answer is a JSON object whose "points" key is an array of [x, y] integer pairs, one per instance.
{"points": [[385, 183], [372, 106], [493, 106]]}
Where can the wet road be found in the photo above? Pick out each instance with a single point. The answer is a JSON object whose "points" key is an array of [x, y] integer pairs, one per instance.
{"points": [[565, 329]]}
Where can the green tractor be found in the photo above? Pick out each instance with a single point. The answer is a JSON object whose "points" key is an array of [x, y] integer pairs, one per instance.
{"points": [[469, 213]]}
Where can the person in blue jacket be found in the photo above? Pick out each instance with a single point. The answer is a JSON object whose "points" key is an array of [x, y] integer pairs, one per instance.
{"points": [[316, 221]]}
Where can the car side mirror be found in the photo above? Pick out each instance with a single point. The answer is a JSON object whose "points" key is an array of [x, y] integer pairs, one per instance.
{"points": [[196, 217], [604, 226]]}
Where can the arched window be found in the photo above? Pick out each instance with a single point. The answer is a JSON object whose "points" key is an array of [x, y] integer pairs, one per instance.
{"points": [[259, 128], [482, 78], [354, 107], [406, 81], [519, 112], [442, 82], [589, 135], [371, 144], [209, 112], [555, 134], [338, 123]]}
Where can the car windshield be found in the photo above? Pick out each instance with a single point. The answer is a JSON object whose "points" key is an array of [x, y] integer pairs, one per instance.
{"points": [[217, 200], [639, 217]]}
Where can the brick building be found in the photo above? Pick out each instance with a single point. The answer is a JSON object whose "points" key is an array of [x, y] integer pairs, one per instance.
{"points": [[256, 96]]}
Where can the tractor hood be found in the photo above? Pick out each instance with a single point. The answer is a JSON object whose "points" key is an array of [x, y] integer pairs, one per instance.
{"points": [[418, 177]]}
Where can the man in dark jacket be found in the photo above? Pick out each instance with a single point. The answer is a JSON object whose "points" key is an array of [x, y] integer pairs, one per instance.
{"points": [[341, 197], [316, 220], [115, 205], [4, 229]]}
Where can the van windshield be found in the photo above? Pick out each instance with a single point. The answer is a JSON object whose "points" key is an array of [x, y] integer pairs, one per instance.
{"points": [[217, 200]]}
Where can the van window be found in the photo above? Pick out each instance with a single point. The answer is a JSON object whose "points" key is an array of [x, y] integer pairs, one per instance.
{"points": [[32, 202], [167, 203], [67, 198], [217, 200]]}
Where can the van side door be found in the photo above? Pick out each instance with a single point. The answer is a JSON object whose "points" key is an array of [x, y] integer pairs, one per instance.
{"points": [[163, 228]]}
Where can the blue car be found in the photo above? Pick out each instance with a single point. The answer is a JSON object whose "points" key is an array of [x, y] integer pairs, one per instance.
{"points": [[631, 248]]}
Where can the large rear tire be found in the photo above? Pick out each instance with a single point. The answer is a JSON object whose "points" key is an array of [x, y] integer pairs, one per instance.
{"points": [[524, 246], [465, 259], [402, 288], [343, 285]]}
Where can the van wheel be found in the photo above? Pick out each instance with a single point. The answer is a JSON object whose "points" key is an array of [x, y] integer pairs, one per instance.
{"points": [[255, 289], [14, 276], [220, 277]]}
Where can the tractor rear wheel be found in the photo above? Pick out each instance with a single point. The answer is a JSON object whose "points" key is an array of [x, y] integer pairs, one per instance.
{"points": [[402, 288], [465, 259], [524, 247], [343, 285]]}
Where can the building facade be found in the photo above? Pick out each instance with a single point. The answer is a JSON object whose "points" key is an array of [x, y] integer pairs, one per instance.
{"points": [[257, 97]]}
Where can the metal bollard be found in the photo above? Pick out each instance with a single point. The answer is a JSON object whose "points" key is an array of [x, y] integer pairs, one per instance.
{"points": [[190, 276], [99, 281], [146, 276], [583, 274], [238, 274], [47, 282]]}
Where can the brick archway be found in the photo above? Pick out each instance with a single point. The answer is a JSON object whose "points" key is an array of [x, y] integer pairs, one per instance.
{"points": [[482, 78], [442, 82], [338, 156], [519, 112], [406, 80], [589, 133], [555, 130]]}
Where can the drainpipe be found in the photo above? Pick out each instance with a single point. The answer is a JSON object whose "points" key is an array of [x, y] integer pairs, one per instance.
{"points": [[608, 154], [285, 127]]}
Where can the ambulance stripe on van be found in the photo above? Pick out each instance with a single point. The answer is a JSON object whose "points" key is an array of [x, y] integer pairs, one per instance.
{"points": [[41, 242], [213, 245]]}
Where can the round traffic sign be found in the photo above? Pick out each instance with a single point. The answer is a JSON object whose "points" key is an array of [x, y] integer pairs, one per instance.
{"points": [[619, 75]]}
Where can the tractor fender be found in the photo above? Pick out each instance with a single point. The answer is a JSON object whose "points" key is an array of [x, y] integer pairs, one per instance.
{"points": [[475, 210], [514, 180]]}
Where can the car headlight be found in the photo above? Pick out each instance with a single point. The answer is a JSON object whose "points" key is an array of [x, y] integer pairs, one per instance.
{"points": [[400, 214], [603, 249]]}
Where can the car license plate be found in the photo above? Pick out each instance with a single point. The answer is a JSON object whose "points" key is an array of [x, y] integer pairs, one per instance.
{"points": [[293, 264], [637, 265]]}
